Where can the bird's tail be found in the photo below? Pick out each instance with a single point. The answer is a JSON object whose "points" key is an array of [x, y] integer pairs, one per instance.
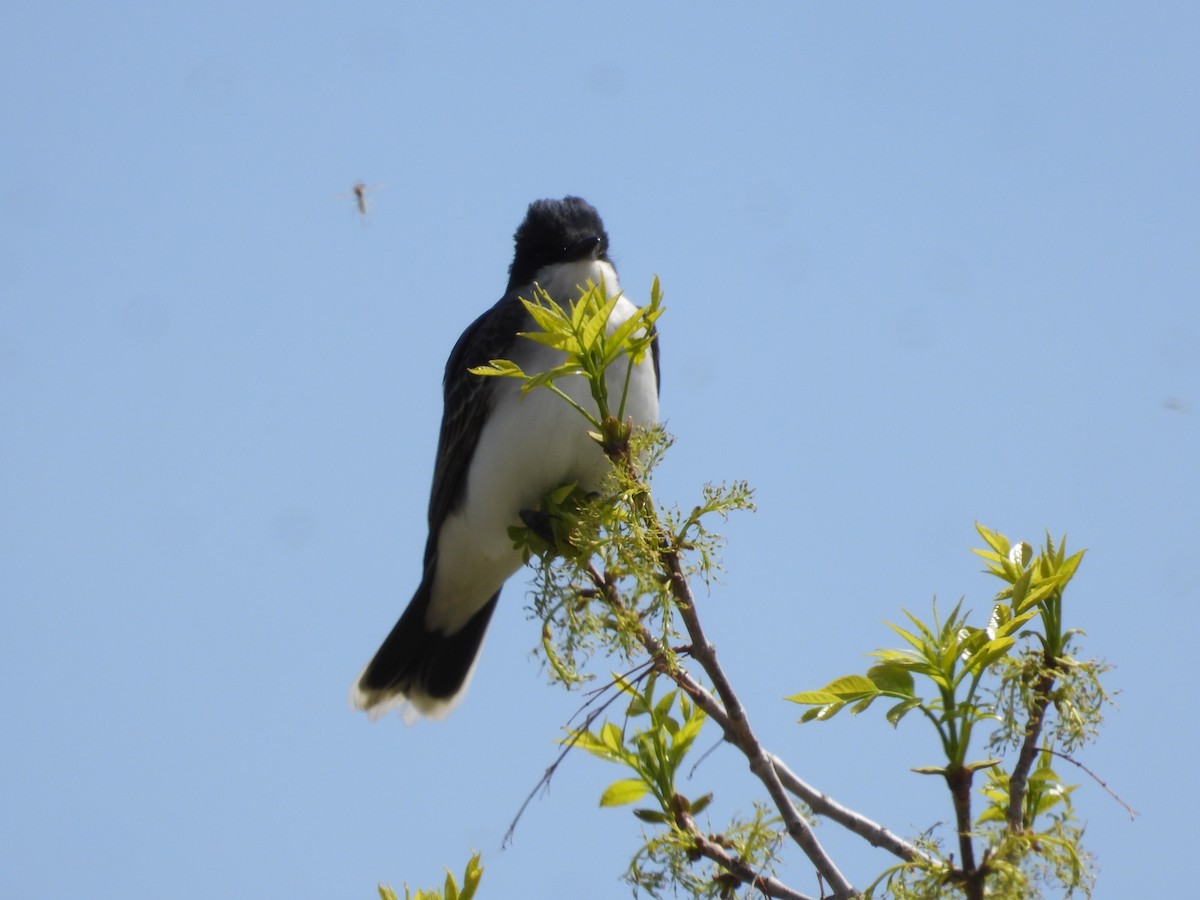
{"points": [[419, 671]]}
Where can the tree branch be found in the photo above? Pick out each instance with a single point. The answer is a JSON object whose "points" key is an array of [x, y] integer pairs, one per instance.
{"points": [[728, 713], [959, 779], [739, 733], [1018, 782], [735, 866], [824, 805]]}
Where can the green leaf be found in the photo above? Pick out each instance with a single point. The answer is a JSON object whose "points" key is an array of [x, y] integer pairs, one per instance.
{"points": [[1020, 591], [499, 368], [822, 713], [1003, 623], [990, 652], [625, 686], [862, 704], [637, 706], [903, 658], [567, 343], [585, 740], [549, 376], [632, 336], [846, 688], [1041, 592], [901, 709], [579, 309], [689, 711], [1067, 570], [1045, 775], [916, 642], [559, 495], [627, 790], [653, 816], [929, 770], [547, 314], [663, 706], [993, 813], [700, 804], [471, 878], [995, 540], [989, 556], [686, 735], [892, 679], [594, 325], [612, 739], [982, 764]]}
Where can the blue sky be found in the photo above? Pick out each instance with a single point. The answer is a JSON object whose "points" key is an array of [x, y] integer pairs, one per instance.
{"points": [[924, 265]]}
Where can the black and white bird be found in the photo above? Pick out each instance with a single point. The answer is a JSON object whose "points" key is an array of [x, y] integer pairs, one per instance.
{"points": [[500, 453]]}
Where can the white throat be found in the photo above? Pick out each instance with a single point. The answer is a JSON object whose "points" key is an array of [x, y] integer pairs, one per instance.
{"points": [[563, 281]]}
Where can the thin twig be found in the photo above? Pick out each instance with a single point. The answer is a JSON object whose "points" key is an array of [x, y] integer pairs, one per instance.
{"points": [[568, 746], [1133, 813], [703, 756], [633, 676]]}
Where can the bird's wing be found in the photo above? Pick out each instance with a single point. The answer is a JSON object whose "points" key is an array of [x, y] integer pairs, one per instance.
{"points": [[654, 356], [468, 400]]}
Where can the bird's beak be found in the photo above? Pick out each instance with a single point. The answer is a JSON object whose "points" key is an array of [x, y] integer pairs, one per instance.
{"points": [[585, 247]]}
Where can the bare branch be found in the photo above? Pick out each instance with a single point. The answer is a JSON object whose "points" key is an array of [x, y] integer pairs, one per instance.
{"points": [[739, 733], [824, 805], [568, 746], [1133, 813], [1018, 781]]}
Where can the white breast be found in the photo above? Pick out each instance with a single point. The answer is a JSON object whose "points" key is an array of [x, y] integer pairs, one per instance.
{"points": [[529, 446]]}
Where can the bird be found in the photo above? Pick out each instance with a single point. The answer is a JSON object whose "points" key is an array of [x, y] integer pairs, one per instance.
{"points": [[499, 453]]}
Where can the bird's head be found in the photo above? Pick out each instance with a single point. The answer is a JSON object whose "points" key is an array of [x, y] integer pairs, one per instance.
{"points": [[556, 231]]}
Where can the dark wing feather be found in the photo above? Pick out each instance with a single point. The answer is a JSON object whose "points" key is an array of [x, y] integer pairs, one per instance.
{"points": [[468, 400], [654, 356]]}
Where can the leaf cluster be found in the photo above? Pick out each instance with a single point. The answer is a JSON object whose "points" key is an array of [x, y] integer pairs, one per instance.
{"points": [[450, 889], [653, 751], [1076, 691], [580, 331], [958, 676]]}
